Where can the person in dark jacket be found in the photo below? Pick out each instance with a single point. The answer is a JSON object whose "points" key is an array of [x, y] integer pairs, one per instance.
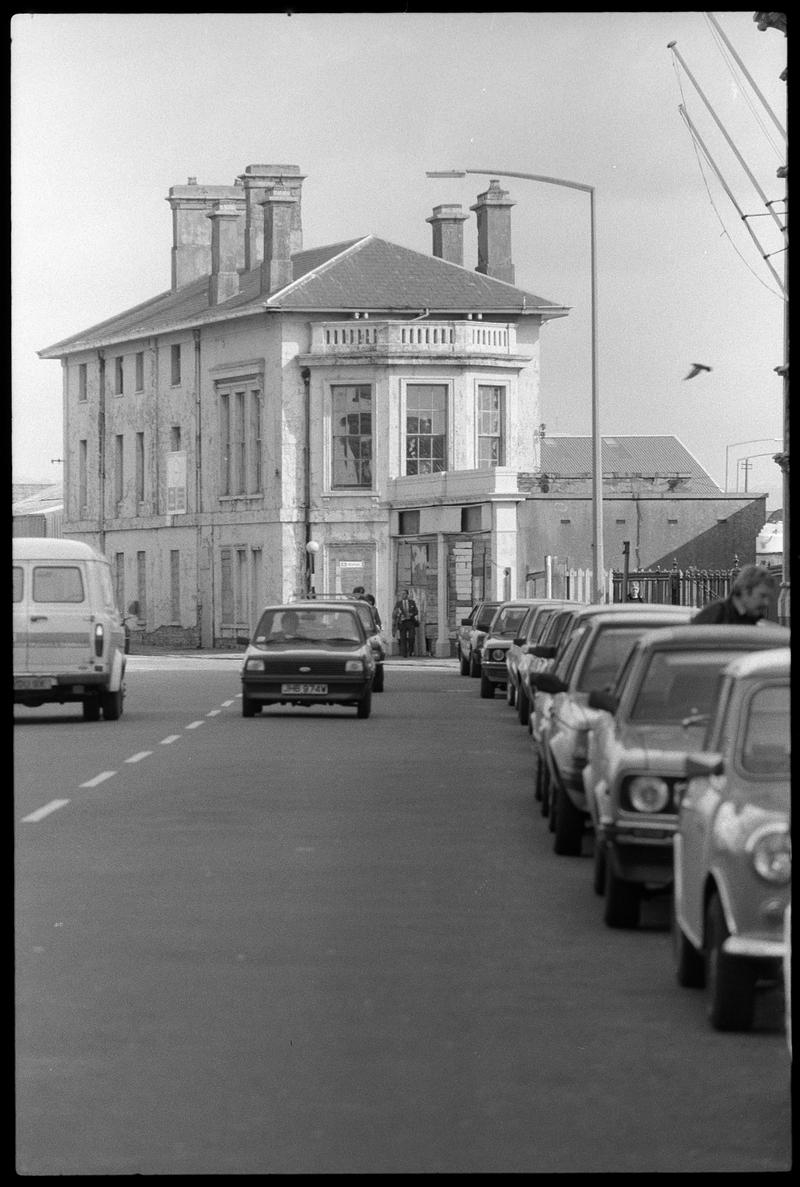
{"points": [[748, 602], [405, 620]]}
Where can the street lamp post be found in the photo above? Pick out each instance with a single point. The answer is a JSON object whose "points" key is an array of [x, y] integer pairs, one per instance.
{"points": [[598, 566]]}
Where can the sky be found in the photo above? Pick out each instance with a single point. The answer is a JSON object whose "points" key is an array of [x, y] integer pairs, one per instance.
{"points": [[108, 110]]}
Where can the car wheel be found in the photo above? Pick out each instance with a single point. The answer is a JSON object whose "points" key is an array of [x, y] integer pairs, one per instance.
{"points": [[91, 709], [487, 687], [537, 776], [599, 875], [623, 900], [249, 707], [731, 981], [377, 683], [364, 706], [568, 833], [463, 664], [690, 969], [474, 665], [522, 706], [545, 787], [111, 704], [510, 699]]}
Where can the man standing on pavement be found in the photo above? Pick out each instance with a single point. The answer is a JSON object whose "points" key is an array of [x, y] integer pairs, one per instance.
{"points": [[748, 602], [405, 620]]}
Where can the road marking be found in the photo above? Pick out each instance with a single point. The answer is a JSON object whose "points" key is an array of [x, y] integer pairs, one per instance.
{"points": [[213, 712], [227, 704], [40, 813], [171, 738], [101, 778], [138, 757], [193, 725]]}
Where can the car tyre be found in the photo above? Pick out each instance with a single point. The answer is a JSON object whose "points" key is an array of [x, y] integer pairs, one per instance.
{"points": [[91, 708], [690, 969], [377, 683], [364, 706], [474, 666], [523, 712], [463, 664], [731, 981], [249, 707], [623, 900], [487, 687], [510, 697], [568, 832], [111, 704]]}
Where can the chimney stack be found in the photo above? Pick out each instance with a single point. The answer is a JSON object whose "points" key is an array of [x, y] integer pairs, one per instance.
{"points": [[493, 210], [279, 208], [448, 233], [224, 279], [191, 230], [257, 181]]}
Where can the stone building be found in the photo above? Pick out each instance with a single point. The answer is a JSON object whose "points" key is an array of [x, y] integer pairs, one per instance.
{"points": [[371, 401]]}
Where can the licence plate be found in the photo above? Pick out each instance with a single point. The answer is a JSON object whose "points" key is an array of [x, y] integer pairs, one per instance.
{"points": [[304, 690], [25, 682]]}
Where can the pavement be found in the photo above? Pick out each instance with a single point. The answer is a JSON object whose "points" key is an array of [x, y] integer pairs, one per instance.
{"points": [[393, 661]]}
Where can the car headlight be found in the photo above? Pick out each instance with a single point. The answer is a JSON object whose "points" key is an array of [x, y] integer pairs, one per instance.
{"points": [[648, 793], [498, 654], [254, 665], [354, 665], [772, 855]]}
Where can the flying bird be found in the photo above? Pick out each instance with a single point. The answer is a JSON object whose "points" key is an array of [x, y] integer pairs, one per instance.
{"points": [[696, 369]]}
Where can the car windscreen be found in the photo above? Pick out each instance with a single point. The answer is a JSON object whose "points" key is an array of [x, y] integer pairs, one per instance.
{"points": [[766, 738], [484, 619], [507, 620], [287, 625], [605, 655], [679, 684]]}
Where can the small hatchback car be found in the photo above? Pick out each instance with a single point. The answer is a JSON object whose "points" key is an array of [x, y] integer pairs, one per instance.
{"points": [[308, 653], [733, 848]]}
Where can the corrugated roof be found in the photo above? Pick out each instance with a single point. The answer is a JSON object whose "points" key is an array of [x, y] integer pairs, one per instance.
{"points": [[646, 456], [368, 274]]}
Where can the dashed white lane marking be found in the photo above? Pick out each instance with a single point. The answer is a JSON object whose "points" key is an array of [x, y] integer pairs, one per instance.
{"points": [[213, 713], [40, 813], [138, 757], [170, 738], [101, 778], [193, 725], [227, 704]]}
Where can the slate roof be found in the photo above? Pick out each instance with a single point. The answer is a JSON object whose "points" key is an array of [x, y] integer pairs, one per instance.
{"points": [[368, 274], [646, 456]]}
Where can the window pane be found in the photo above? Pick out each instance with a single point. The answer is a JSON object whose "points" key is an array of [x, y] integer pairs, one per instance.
{"points": [[351, 430], [17, 595], [426, 428], [57, 583]]}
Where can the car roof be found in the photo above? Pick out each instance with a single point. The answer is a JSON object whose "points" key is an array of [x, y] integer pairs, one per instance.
{"points": [[715, 635], [314, 604], [775, 661]]}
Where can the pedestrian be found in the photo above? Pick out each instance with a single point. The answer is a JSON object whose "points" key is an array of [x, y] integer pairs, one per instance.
{"points": [[358, 592], [748, 602], [371, 599], [405, 620], [635, 593]]}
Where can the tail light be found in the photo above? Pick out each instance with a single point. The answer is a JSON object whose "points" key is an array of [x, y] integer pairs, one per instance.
{"points": [[99, 634]]}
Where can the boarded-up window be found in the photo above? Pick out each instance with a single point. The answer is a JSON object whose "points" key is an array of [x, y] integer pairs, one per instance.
{"points": [[175, 585]]}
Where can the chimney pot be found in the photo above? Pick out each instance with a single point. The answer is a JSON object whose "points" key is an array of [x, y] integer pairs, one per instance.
{"points": [[493, 210], [224, 279], [276, 267], [448, 233]]}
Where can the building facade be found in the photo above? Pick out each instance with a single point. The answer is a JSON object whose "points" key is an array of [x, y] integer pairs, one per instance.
{"points": [[368, 400]]}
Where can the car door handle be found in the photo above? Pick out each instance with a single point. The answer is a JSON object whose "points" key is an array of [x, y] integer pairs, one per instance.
{"points": [[38, 618]]}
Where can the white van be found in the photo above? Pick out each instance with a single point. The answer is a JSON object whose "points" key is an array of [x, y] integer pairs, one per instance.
{"points": [[69, 639]]}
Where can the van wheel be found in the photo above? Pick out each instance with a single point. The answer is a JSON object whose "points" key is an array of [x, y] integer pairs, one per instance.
{"points": [[111, 703], [91, 709]]}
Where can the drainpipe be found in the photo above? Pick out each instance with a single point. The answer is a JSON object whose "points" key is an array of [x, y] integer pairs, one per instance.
{"points": [[305, 375], [101, 450], [198, 488]]}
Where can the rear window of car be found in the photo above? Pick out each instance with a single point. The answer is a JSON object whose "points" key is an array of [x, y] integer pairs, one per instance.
{"points": [[766, 738], [57, 583], [289, 625], [508, 619], [677, 685], [17, 584], [605, 655]]}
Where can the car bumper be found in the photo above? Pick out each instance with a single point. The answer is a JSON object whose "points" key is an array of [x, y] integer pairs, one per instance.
{"points": [[497, 673], [42, 687], [640, 855], [338, 692]]}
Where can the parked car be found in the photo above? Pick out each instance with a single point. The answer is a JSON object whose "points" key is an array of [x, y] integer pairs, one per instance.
{"points": [[600, 641], [69, 639], [502, 630], [733, 851], [530, 631], [309, 653], [657, 710], [540, 656], [371, 623], [471, 634]]}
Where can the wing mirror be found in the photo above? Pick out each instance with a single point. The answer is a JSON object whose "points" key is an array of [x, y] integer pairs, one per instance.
{"points": [[600, 698], [544, 650], [702, 765], [466, 622], [547, 682]]}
